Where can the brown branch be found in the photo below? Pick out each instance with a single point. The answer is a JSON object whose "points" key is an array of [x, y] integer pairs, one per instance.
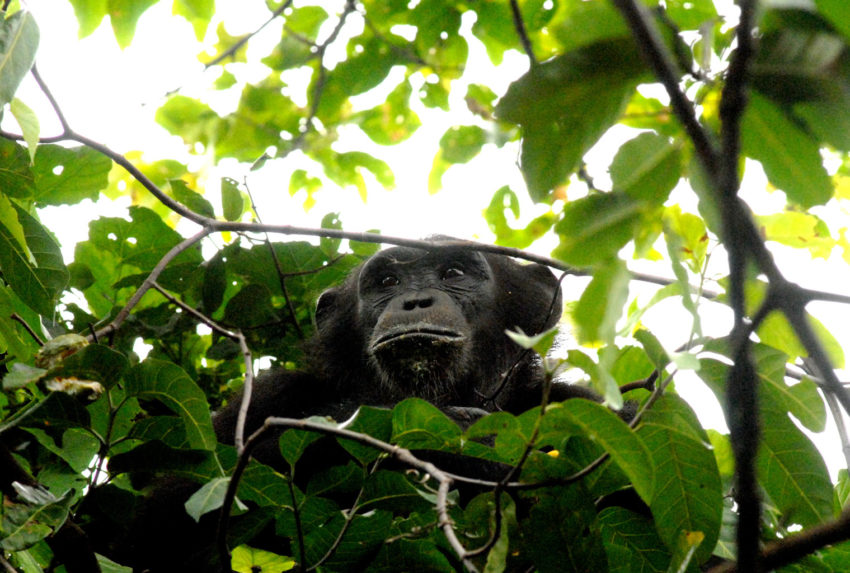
{"points": [[519, 25], [793, 548], [658, 58]]}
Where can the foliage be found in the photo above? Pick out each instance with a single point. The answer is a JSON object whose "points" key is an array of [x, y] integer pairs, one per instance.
{"points": [[693, 107]]}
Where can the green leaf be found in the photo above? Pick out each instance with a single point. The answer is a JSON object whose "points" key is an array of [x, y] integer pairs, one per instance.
{"points": [[365, 534], [197, 12], [294, 442], [688, 491], [802, 400], [375, 422], [28, 121], [16, 177], [566, 531], [647, 168], [169, 384], [838, 14], [36, 272], [94, 362], [25, 524], [188, 118], [66, 176], [209, 498], [246, 559], [18, 45], [193, 200], [790, 157], [601, 304], [90, 14], [250, 307], [420, 425], [392, 121], [393, 491], [595, 421], [22, 374], [799, 230], [565, 105], [593, 229], [232, 203], [792, 471], [13, 230], [631, 542], [124, 14]]}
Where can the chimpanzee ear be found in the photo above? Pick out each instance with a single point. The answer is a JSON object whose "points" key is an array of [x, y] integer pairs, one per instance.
{"points": [[529, 294], [325, 306]]}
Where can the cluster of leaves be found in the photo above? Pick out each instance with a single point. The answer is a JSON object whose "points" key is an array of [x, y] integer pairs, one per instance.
{"points": [[85, 398]]}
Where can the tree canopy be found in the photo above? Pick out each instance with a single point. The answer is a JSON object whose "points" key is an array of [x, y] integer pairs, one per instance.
{"points": [[632, 124]]}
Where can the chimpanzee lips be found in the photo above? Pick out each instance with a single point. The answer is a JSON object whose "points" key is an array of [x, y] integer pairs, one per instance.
{"points": [[418, 335]]}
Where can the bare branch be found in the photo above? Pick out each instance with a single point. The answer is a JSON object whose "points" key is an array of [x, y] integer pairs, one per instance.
{"points": [[795, 547], [519, 25]]}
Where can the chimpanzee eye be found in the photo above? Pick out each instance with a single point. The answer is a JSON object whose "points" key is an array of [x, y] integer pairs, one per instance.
{"points": [[389, 281], [452, 273]]}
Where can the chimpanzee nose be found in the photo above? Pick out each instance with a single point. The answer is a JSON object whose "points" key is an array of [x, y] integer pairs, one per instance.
{"points": [[418, 301]]}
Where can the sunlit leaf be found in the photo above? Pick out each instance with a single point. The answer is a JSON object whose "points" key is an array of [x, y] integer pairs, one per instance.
{"points": [[593, 229], [124, 14], [647, 168], [790, 157], [565, 105], [18, 44]]}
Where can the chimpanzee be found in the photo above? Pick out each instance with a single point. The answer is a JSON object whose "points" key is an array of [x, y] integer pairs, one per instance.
{"points": [[408, 322], [419, 323]]}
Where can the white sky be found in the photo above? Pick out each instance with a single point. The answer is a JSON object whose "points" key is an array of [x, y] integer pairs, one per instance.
{"points": [[111, 96]]}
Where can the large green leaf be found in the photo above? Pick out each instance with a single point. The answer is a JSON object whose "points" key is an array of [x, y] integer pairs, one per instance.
{"points": [[35, 269], [567, 534], [566, 104], [18, 45], [631, 542], [802, 400], [595, 421], [790, 469], [169, 384], [688, 494], [66, 176], [420, 425], [593, 229], [790, 157]]}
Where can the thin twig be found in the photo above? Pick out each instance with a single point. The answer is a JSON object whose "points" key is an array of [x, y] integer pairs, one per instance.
{"points": [[19, 319], [245, 39], [149, 282]]}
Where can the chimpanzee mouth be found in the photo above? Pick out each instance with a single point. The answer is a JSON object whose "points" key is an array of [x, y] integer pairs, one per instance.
{"points": [[416, 334]]}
